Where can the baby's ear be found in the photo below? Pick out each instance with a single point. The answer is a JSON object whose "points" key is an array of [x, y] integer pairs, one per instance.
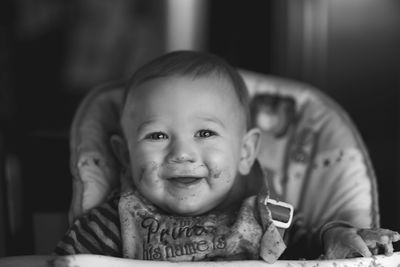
{"points": [[120, 150], [249, 150]]}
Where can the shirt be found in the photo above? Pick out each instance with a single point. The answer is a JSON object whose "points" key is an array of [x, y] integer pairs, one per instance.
{"points": [[131, 227]]}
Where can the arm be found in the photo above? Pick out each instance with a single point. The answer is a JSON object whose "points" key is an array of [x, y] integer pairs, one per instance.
{"points": [[341, 240], [96, 232], [338, 192]]}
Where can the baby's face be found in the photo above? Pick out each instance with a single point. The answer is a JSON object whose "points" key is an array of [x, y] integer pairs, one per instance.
{"points": [[184, 138]]}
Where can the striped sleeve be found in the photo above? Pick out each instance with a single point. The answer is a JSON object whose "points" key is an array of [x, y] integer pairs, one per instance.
{"points": [[97, 232]]}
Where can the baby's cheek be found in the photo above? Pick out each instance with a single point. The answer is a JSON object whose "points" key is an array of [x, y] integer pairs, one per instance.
{"points": [[145, 171], [221, 164], [216, 172], [150, 172], [220, 175]]}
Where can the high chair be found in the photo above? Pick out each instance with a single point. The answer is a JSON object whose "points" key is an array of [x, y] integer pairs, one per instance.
{"points": [[311, 153]]}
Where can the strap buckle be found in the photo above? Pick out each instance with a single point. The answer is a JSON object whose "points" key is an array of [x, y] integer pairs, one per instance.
{"points": [[281, 212]]}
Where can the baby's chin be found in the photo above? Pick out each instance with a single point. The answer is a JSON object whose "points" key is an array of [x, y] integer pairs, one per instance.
{"points": [[185, 209]]}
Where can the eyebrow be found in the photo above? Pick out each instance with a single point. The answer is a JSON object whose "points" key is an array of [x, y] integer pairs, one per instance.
{"points": [[212, 119], [142, 125]]}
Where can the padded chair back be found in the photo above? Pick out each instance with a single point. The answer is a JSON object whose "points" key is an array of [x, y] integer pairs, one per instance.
{"points": [[312, 153]]}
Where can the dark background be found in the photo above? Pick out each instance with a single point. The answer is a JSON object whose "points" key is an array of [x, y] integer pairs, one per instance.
{"points": [[348, 49]]}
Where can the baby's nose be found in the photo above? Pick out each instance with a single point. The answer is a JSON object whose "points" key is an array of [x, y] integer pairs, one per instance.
{"points": [[182, 151]]}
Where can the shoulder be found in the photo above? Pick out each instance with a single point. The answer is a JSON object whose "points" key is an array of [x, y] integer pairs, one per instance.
{"points": [[96, 232], [103, 221], [106, 213]]}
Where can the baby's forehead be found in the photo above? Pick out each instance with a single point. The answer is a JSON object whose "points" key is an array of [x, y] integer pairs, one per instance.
{"points": [[212, 87], [222, 85]]}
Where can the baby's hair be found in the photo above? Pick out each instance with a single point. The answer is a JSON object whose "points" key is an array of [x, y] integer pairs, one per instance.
{"points": [[195, 64]]}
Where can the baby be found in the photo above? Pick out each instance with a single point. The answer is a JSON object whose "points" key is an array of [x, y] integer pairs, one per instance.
{"points": [[189, 188]]}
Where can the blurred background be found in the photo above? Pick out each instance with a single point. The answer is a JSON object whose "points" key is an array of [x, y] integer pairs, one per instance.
{"points": [[53, 51]]}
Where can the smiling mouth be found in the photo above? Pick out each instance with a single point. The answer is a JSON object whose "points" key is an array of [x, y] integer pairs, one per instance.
{"points": [[185, 181]]}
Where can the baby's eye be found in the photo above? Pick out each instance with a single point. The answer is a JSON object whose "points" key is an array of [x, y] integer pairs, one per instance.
{"points": [[156, 136], [205, 133]]}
